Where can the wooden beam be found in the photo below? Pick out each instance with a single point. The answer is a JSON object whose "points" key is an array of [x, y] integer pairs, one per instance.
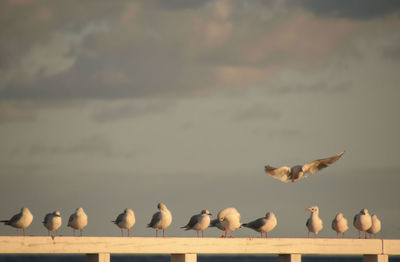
{"points": [[183, 258], [101, 257], [391, 246], [375, 258], [289, 258], [151, 245]]}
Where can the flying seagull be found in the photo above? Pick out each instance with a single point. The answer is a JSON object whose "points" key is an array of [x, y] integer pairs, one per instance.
{"points": [[286, 174]]}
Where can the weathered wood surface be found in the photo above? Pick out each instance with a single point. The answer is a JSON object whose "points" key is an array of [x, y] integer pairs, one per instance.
{"points": [[391, 246], [150, 245]]}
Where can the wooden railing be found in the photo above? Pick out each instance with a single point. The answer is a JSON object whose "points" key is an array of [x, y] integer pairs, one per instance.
{"points": [[186, 249]]}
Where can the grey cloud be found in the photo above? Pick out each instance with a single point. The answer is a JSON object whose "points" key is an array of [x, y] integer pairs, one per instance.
{"points": [[96, 144], [353, 9], [128, 110], [257, 111], [317, 87]]}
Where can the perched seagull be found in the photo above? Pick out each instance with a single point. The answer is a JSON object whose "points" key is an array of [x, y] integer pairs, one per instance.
{"points": [[21, 220], [229, 219], [286, 174], [339, 224], [52, 221], [314, 223], [376, 226], [161, 220], [217, 224], [78, 220], [263, 224], [199, 222], [125, 220], [362, 221]]}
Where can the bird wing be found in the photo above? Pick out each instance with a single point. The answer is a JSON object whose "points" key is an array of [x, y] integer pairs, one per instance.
{"points": [[192, 222], [119, 218], [256, 224], [280, 173], [155, 219], [47, 218], [14, 219], [319, 164]]}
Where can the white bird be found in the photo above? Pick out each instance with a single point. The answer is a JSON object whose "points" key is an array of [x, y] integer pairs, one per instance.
{"points": [[217, 224], [376, 225], [339, 224], [286, 174], [199, 222], [229, 219], [314, 223], [362, 221], [263, 224], [52, 221], [78, 220], [161, 219], [21, 220], [125, 220]]}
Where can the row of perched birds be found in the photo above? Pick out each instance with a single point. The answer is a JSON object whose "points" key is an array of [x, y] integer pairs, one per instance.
{"points": [[228, 219]]}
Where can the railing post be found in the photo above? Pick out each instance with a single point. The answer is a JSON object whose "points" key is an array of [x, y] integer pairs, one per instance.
{"points": [[289, 258], [101, 257], [375, 258], [183, 257]]}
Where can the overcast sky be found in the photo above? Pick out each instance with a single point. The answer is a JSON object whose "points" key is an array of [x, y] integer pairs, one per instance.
{"points": [[112, 104]]}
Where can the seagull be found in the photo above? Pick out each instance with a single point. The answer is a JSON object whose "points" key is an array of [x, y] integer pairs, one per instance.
{"points": [[199, 222], [362, 221], [78, 220], [339, 224], [52, 221], [314, 223], [217, 224], [263, 224], [21, 220], [286, 174], [229, 219], [161, 219], [376, 225], [125, 220]]}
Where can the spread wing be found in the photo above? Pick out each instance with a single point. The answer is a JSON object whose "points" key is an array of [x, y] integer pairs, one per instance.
{"points": [[319, 164], [281, 173]]}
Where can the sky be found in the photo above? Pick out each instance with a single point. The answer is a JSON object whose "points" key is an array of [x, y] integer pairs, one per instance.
{"points": [[112, 104]]}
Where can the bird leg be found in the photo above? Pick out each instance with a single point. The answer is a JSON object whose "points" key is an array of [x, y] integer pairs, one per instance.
{"points": [[231, 236], [308, 234], [261, 234], [343, 234], [122, 232], [197, 231], [129, 230], [74, 231], [224, 233], [24, 231], [163, 232], [202, 233], [266, 234], [48, 232], [337, 234], [365, 232], [17, 231], [359, 234], [156, 232], [80, 230]]}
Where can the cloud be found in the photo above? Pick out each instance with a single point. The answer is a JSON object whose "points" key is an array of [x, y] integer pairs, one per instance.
{"points": [[96, 144], [123, 110], [257, 111], [353, 9]]}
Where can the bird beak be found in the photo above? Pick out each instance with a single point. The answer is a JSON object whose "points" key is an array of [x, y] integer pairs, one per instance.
{"points": [[308, 209]]}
